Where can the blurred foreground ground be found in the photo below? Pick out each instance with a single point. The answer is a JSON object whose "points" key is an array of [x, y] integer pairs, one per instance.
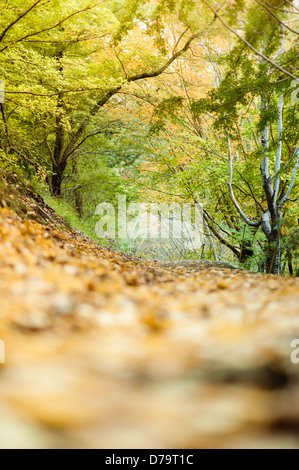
{"points": [[105, 351]]}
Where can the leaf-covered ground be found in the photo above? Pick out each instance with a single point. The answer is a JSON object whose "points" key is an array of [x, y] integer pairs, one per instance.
{"points": [[107, 351]]}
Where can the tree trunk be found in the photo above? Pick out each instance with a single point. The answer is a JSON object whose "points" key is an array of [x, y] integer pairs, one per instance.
{"points": [[79, 203], [202, 251], [58, 161], [57, 178], [290, 264], [273, 254], [261, 266], [246, 252], [78, 195]]}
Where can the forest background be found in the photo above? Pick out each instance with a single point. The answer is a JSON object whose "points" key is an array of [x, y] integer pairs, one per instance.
{"points": [[161, 101]]}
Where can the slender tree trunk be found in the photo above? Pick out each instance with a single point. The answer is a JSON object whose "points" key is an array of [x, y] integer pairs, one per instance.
{"points": [[290, 264], [78, 195], [79, 204], [58, 161], [273, 255], [261, 266], [202, 251]]}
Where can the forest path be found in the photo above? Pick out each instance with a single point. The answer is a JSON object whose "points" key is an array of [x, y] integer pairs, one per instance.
{"points": [[107, 351], [192, 266]]}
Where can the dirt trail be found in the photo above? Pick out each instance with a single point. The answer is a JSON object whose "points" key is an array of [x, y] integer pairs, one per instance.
{"points": [[106, 351], [194, 266]]}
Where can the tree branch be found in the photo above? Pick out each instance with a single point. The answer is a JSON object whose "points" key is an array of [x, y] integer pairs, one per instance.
{"points": [[285, 197], [276, 17], [278, 67], [162, 69], [281, 9], [291, 4], [250, 189], [242, 214], [219, 237], [22, 15], [29, 35], [279, 149], [139, 76]]}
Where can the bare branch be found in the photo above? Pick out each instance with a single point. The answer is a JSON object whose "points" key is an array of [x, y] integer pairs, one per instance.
{"points": [[286, 164], [139, 76], [278, 67], [291, 4], [29, 35], [276, 17], [99, 131], [281, 9], [22, 15], [180, 37], [285, 197], [242, 214], [121, 63], [218, 236], [160, 70], [251, 190]]}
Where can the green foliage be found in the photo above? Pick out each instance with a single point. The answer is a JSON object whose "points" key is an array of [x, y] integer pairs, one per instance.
{"points": [[63, 64], [68, 213], [8, 162], [165, 111]]}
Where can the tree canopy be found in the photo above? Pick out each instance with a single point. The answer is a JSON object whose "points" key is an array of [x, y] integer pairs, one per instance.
{"points": [[161, 101]]}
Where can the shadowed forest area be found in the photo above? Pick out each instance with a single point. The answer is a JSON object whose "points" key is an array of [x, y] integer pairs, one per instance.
{"points": [[149, 224]]}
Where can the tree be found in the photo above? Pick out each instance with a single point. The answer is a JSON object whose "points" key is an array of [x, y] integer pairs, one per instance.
{"points": [[247, 79], [98, 73], [232, 111]]}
